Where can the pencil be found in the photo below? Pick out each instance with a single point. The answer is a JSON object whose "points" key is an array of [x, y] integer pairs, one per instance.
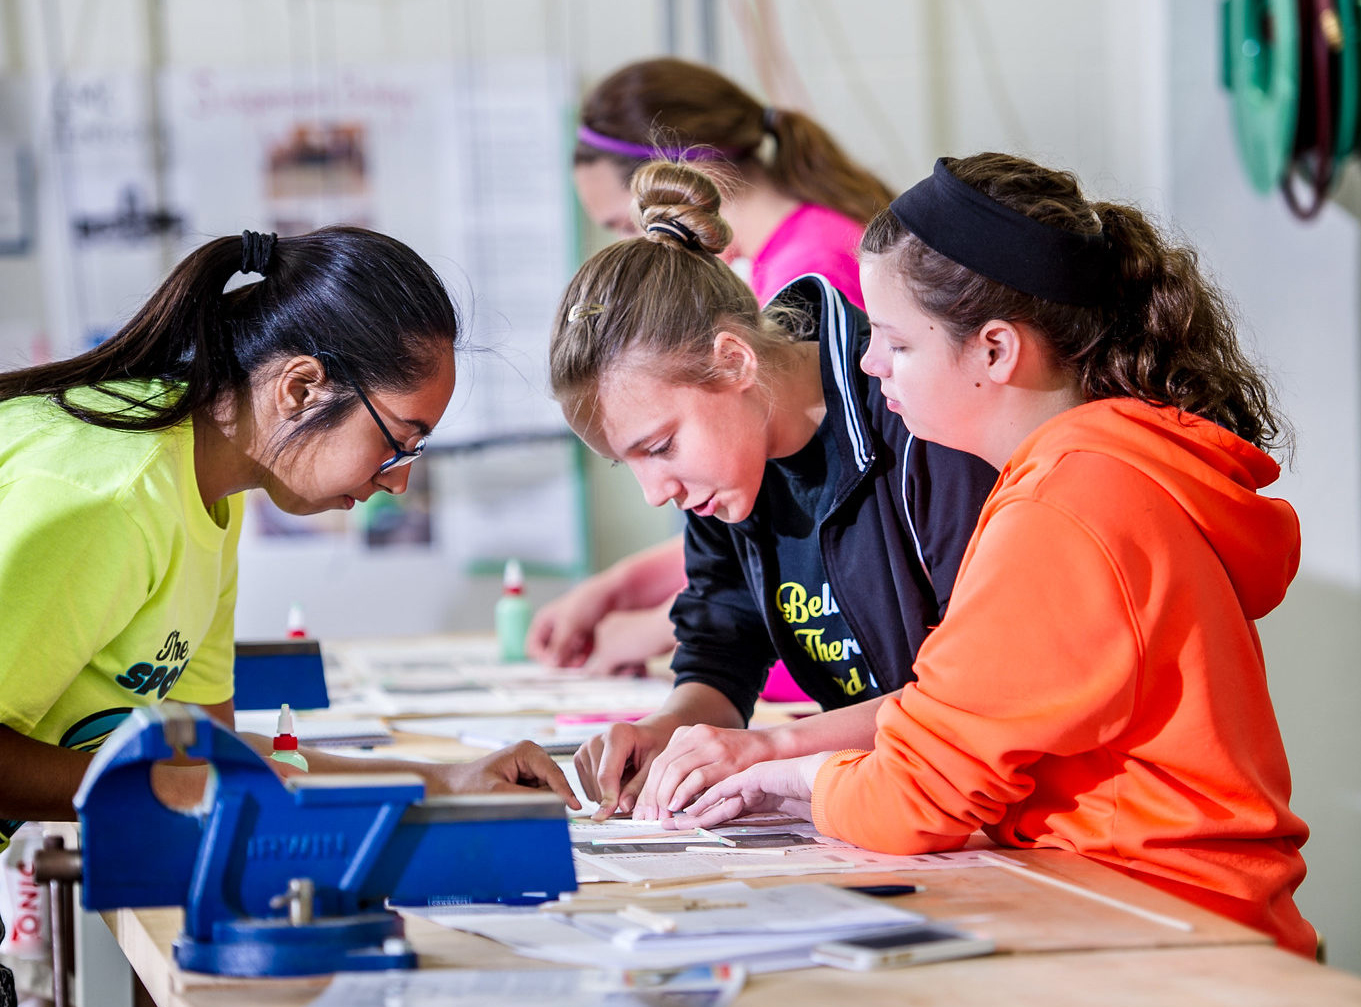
{"points": [[1087, 893]]}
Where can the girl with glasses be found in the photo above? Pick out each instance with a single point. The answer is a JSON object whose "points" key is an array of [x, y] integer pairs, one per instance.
{"points": [[1098, 683], [121, 474]]}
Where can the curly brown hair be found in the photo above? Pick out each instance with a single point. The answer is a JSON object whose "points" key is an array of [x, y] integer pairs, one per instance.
{"points": [[1165, 334]]}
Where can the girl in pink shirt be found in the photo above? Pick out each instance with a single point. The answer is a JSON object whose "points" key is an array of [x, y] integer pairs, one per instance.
{"points": [[796, 205]]}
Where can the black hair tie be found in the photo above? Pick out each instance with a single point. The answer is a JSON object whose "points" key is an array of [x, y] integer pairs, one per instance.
{"points": [[768, 115], [676, 229], [256, 250]]}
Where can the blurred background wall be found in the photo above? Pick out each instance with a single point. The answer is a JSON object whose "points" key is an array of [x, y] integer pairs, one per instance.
{"points": [[132, 130]]}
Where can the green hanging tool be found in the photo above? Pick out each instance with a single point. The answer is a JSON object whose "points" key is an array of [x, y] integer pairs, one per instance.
{"points": [[1262, 71]]}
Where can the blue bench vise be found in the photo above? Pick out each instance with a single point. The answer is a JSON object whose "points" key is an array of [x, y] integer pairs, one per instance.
{"points": [[292, 878]]}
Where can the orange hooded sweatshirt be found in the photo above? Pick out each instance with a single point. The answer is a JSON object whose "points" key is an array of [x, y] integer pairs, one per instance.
{"points": [[1097, 684]]}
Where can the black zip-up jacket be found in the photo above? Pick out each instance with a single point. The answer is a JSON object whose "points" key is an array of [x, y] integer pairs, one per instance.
{"points": [[903, 511]]}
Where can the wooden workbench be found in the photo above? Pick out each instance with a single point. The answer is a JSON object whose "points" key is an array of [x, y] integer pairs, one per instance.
{"points": [[1055, 948]]}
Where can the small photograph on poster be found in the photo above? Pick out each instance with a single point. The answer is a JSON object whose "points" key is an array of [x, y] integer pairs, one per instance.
{"points": [[316, 174], [319, 159], [391, 520]]}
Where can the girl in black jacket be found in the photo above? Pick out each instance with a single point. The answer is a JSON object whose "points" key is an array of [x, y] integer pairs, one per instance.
{"points": [[819, 531]]}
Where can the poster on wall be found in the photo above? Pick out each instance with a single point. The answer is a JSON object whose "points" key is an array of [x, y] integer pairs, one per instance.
{"points": [[467, 165], [109, 197], [464, 164]]}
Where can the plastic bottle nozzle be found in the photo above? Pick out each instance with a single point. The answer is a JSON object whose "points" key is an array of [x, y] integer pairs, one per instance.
{"points": [[286, 742]]}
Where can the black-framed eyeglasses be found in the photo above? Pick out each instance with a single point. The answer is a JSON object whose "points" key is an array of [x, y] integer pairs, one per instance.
{"points": [[400, 455]]}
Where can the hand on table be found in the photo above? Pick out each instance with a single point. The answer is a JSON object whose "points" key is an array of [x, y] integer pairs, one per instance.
{"points": [[562, 632], [522, 765], [625, 641], [578, 631], [784, 785], [613, 766], [696, 758]]}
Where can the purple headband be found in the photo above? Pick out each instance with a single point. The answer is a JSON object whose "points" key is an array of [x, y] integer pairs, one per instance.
{"points": [[626, 148]]}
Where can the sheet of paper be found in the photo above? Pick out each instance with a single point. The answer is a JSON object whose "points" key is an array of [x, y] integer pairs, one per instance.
{"points": [[639, 867], [773, 928], [319, 732], [513, 696], [497, 732], [697, 987], [824, 910]]}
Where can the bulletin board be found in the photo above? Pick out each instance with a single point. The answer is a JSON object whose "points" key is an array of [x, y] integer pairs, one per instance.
{"points": [[467, 163]]}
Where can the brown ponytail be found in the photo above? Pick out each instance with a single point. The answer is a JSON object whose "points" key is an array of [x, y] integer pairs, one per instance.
{"points": [[670, 103], [809, 166], [1164, 334]]}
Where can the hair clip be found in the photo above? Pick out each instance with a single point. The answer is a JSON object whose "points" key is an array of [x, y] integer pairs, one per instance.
{"points": [[579, 311]]}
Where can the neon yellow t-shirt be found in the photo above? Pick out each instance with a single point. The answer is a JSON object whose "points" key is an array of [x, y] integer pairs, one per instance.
{"points": [[117, 586]]}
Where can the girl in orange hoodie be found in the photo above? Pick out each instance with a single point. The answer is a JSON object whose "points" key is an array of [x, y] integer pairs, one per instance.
{"points": [[1097, 684]]}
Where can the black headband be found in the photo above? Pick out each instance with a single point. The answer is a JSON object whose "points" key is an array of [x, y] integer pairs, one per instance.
{"points": [[256, 249], [961, 223]]}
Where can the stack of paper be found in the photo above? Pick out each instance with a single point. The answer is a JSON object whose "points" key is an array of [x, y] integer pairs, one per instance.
{"points": [[699, 987], [762, 928], [465, 677]]}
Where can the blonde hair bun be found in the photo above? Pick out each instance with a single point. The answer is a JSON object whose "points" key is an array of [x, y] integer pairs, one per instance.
{"points": [[669, 193]]}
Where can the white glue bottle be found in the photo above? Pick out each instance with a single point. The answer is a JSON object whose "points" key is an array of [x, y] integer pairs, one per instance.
{"points": [[286, 742]]}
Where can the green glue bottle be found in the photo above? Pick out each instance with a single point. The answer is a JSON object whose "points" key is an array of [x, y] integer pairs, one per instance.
{"points": [[286, 742], [513, 614]]}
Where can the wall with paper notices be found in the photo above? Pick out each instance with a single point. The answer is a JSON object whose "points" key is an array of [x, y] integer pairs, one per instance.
{"points": [[158, 125], [447, 121]]}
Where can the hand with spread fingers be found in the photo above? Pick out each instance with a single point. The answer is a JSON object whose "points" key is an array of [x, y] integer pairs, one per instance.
{"points": [[784, 786]]}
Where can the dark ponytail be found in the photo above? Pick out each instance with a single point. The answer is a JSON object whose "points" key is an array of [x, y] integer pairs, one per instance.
{"points": [[809, 166], [661, 106], [1164, 334], [340, 292]]}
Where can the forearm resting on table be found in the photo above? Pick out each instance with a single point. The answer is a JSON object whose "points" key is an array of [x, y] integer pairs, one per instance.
{"points": [[321, 761], [41, 780], [648, 578], [831, 731]]}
